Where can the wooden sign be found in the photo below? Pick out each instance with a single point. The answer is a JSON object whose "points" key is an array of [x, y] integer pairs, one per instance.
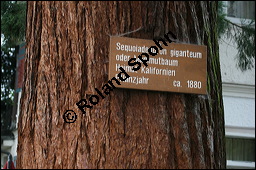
{"points": [[175, 68]]}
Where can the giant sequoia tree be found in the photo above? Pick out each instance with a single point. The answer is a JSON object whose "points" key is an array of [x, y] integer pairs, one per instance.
{"points": [[67, 56]]}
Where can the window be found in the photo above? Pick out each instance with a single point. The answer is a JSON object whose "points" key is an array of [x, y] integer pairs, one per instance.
{"points": [[240, 153], [240, 149]]}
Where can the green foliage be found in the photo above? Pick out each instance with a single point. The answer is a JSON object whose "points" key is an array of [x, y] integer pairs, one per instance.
{"points": [[246, 47], [13, 25], [243, 35], [13, 22], [8, 69]]}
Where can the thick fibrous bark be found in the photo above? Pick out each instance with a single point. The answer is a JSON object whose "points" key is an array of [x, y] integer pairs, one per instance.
{"points": [[67, 57]]}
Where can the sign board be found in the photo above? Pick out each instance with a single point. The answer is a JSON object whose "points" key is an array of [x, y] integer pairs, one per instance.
{"points": [[176, 68]]}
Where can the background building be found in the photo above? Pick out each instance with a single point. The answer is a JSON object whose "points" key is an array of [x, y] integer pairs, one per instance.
{"points": [[9, 139], [238, 93]]}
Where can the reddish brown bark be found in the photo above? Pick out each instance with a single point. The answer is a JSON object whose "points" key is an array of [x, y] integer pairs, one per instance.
{"points": [[67, 57]]}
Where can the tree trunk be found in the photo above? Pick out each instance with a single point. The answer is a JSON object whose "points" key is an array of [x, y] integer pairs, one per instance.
{"points": [[67, 57]]}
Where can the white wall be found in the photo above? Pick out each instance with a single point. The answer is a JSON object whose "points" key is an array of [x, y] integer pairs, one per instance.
{"points": [[228, 60], [238, 88], [239, 111]]}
